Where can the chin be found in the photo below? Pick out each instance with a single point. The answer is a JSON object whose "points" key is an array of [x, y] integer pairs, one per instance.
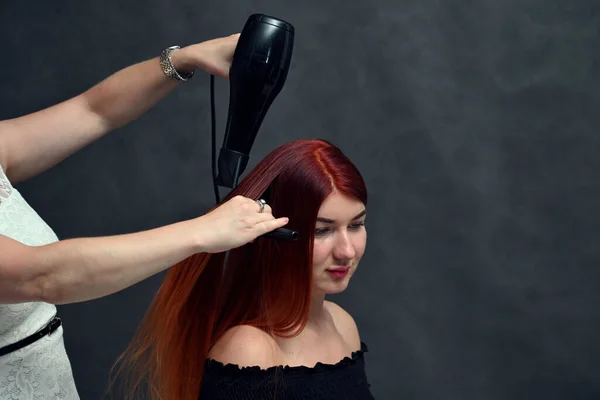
{"points": [[334, 287], [336, 290]]}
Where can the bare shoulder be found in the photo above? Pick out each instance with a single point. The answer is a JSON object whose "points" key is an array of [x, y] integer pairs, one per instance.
{"points": [[345, 324], [246, 346]]}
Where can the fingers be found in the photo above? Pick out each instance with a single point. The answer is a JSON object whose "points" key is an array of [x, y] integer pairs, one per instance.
{"points": [[259, 218], [265, 221], [264, 215], [256, 217], [264, 227], [266, 210], [271, 225]]}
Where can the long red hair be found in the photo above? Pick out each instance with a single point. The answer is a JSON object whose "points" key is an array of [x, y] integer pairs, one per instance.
{"points": [[266, 284]]}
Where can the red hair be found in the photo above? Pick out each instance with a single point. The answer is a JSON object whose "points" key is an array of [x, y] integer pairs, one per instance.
{"points": [[266, 284]]}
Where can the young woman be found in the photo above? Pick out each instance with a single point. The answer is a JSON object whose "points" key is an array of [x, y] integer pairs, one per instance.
{"points": [[258, 326]]}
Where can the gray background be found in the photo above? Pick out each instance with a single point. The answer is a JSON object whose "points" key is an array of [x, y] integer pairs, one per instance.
{"points": [[475, 124]]}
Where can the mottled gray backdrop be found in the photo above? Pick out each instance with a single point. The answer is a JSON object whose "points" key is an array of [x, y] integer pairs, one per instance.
{"points": [[475, 124]]}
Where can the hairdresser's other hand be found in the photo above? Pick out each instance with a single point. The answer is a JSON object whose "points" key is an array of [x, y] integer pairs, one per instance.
{"points": [[235, 223], [213, 56]]}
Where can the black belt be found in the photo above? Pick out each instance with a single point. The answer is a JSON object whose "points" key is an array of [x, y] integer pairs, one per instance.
{"points": [[47, 330]]}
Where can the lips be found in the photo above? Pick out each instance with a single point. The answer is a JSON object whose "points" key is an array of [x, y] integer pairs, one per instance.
{"points": [[340, 269], [339, 272]]}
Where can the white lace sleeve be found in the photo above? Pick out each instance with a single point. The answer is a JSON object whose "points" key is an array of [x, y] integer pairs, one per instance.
{"points": [[5, 186]]}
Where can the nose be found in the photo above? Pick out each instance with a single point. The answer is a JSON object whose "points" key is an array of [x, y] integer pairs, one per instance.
{"points": [[344, 248]]}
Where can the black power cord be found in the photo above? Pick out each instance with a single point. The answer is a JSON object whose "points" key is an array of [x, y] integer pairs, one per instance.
{"points": [[214, 138]]}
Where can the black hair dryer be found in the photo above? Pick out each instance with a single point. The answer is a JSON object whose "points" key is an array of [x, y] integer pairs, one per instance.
{"points": [[259, 68], [258, 71]]}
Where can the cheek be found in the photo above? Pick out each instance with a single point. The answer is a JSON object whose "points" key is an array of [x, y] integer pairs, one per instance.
{"points": [[360, 243], [320, 253]]}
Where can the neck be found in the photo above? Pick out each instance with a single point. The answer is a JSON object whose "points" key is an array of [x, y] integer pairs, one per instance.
{"points": [[317, 314]]}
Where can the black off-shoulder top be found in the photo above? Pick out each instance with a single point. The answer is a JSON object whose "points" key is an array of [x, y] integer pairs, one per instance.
{"points": [[345, 380]]}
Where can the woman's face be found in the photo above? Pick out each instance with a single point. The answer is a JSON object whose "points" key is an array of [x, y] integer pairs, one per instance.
{"points": [[340, 240]]}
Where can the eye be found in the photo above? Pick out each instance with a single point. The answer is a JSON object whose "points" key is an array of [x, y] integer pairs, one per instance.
{"points": [[321, 231], [357, 226]]}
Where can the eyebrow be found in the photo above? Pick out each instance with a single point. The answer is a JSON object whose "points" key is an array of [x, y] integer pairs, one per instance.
{"points": [[330, 221]]}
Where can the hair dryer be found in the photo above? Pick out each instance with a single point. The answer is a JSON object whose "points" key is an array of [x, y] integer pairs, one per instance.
{"points": [[258, 71], [259, 68]]}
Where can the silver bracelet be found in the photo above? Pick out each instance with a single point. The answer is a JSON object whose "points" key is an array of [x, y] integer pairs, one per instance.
{"points": [[167, 66]]}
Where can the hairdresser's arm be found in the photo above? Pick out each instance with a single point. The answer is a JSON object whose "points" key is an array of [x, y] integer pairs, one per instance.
{"points": [[33, 143], [83, 269]]}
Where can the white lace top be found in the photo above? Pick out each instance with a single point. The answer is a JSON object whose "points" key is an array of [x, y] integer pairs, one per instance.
{"points": [[42, 369]]}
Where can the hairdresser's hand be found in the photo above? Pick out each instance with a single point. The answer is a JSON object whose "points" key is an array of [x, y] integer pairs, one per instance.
{"points": [[213, 56], [235, 223]]}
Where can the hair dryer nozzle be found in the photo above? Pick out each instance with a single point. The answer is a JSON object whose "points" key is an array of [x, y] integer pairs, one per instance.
{"points": [[259, 69]]}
